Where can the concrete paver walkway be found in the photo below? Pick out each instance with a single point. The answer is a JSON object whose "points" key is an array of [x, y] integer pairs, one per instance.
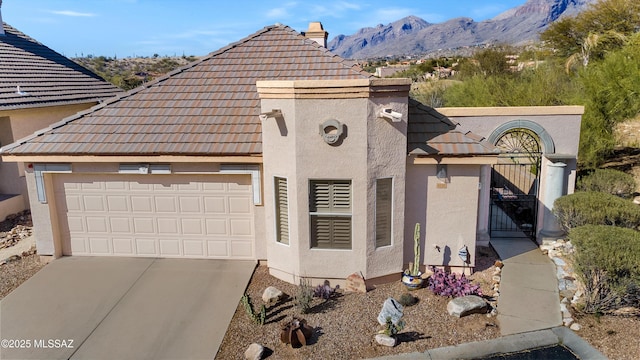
{"points": [[529, 298], [123, 308]]}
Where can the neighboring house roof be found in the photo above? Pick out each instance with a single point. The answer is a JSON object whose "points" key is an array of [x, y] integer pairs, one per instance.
{"points": [[209, 107], [32, 75], [431, 133]]}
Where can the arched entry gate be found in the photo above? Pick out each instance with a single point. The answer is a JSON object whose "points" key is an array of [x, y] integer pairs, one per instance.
{"points": [[514, 185]]}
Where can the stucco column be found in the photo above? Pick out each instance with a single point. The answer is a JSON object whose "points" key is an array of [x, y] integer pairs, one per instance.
{"points": [[484, 202], [553, 188]]}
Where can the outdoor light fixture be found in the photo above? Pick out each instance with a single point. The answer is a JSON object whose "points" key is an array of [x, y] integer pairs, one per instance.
{"points": [[441, 172], [275, 113], [389, 114]]}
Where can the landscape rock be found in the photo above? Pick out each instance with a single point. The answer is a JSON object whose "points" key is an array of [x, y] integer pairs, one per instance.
{"points": [[466, 305], [356, 283], [575, 327], [254, 352], [499, 264], [385, 340], [390, 309], [271, 296]]}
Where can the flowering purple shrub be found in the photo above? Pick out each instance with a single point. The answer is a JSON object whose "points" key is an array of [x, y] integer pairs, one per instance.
{"points": [[325, 291], [450, 284]]}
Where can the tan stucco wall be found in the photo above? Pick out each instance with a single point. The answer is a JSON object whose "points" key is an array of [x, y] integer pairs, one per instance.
{"points": [[22, 123], [373, 148], [45, 222], [447, 213]]}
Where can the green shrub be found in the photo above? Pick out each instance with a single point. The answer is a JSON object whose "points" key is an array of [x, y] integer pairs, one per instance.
{"points": [[607, 259], [610, 181], [596, 208], [304, 296]]}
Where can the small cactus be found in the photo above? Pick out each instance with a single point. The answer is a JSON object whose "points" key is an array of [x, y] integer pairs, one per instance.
{"points": [[415, 271]]}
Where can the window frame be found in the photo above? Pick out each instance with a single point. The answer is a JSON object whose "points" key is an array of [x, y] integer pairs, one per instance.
{"points": [[389, 203], [334, 212], [278, 210]]}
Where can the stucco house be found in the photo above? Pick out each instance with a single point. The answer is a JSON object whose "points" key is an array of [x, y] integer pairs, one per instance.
{"points": [[274, 149], [38, 87]]}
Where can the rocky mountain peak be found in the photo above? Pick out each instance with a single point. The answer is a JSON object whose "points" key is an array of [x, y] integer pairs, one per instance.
{"points": [[415, 36]]}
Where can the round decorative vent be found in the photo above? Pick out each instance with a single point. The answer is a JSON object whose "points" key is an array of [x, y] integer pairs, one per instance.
{"points": [[331, 131]]}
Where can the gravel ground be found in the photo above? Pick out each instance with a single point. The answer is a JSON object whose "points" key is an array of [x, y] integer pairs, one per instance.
{"points": [[345, 326], [18, 271], [616, 337]]}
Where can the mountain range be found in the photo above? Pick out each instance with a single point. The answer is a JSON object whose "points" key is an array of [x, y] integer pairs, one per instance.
{"points": [[415, 36]]}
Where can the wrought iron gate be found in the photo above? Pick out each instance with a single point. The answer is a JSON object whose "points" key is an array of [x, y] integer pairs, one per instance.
{"points": [[514, 196]]}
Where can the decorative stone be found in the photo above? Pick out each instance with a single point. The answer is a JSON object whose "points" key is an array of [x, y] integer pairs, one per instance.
{"points": [[385, 340], [271, 296], [466, 305], [636, 200], [356, 283], [575, 327], [392, 309], [559, 261], [254, 352], [498, 264], [567, 321], [497, 271], [496, 278]]}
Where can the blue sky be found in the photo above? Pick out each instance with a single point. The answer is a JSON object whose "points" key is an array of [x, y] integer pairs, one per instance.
{"points": [[125, 28]]}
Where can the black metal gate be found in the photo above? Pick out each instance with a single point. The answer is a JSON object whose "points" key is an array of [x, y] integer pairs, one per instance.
{"points": [[514, 196]]}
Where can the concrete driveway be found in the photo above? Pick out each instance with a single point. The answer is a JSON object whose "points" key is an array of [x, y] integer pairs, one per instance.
{"points": [[123, 308]]}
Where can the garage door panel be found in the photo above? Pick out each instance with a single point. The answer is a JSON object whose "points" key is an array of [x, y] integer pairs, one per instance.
{"points": [[218, 248], [215, 205], [97, 224], [76, 224], [168, 226], [241, 227], [146, 247], [189, 204], [192, 226], [142, 204], [143, 225], [170, 247], [100, 245], [74, 203], [241, 249], [118, 203], [120, 225], [239, 205], [217, 227], [123, 246], [79, 244], [195, 216], [166, 204], [93, 203], [194, 248]]}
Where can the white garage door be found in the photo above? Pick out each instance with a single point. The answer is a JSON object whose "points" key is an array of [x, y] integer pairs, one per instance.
{"points": [[196, 216]]}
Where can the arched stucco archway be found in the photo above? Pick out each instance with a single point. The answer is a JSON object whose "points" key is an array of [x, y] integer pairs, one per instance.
{"points": [[546, 141]]}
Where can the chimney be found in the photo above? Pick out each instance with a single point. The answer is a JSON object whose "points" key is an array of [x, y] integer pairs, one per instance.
{"points": [[315, 33], [1, 25]]}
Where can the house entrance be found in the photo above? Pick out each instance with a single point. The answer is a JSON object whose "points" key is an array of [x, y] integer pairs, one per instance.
{"points": [[514, 185]]}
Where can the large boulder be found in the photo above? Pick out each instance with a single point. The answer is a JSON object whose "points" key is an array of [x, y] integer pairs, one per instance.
{"points": [[467, 305], [390, 309]]}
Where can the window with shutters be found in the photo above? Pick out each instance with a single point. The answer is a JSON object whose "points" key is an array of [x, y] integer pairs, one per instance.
{"points": [[384, 196], [330, 211], [282, 210]]}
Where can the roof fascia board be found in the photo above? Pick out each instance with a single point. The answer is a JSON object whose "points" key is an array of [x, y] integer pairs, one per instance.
{"points": [[512, 111], [140, 158]]}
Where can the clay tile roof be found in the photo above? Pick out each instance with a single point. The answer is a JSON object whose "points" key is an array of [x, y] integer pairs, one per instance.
{"points": [[431, 133], [209, 107], [32, 75]]}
